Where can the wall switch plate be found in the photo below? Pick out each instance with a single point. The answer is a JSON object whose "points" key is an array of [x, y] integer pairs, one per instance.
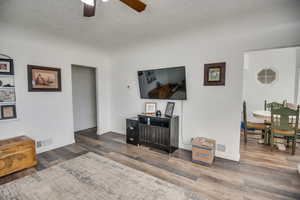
{"points": [[221, 147]]}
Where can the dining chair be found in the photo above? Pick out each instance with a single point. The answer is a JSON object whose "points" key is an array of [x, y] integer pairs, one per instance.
{"points": [[268, 107], [284, 103], [284, 122], [274, 105], [292, 106], [252, 125]]}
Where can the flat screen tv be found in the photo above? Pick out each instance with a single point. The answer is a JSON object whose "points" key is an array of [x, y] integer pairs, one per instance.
{"points": [[165, 83]]}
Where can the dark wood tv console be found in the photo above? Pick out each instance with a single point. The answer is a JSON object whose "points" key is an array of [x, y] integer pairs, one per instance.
{"points": [[158, 132]]}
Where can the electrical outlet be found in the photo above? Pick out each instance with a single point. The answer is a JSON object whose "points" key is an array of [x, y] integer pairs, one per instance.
{"points": [[38, 144], [42, 143], [221, 147]]}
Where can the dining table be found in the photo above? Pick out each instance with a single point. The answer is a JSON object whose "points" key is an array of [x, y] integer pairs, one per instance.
{"points": [[262, 114], [266, 116]]}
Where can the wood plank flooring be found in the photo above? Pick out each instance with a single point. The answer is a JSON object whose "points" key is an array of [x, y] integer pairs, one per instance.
{"points": [[260, 174]]}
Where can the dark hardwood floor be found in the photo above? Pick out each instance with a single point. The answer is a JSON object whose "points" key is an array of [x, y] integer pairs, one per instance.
{"points": [[260, 174]]}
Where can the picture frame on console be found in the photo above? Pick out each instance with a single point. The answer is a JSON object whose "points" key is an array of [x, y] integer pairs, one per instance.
{"points": [[169, 109], [150, 108]]}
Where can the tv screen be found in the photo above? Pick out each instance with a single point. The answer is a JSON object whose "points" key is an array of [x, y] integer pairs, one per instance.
{"points": [[166, 83]]}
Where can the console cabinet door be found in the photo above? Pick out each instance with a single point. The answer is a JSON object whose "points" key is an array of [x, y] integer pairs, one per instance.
{"points": [[145, 134], [156, 136], [161, 136]]}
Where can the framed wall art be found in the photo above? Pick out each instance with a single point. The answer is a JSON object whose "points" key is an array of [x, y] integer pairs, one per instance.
{"points": [[44, 79], [6, 66], [8, 112], [214, 74]]}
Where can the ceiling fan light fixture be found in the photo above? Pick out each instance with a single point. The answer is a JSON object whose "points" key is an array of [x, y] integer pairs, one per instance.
{"points": [[89, 2], [105, 0]]}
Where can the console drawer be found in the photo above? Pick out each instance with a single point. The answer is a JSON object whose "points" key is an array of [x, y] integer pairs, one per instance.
{"points": [[132, 131]]}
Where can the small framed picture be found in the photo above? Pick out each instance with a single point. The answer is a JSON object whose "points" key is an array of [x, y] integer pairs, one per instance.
{"points": [[214, 74], [150, 108], [6, 67], [44, 79], [170, 109], [6, 81], [7, 95], [8, 112]]}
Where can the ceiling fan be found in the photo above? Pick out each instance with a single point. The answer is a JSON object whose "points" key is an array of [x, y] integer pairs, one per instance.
{"points": [[89, 7]]}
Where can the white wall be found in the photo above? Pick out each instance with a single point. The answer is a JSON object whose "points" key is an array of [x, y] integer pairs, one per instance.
{"points": [[48, 115], [84, 97], [283, 62], [297, 92], [213, 112], [298, 56]]}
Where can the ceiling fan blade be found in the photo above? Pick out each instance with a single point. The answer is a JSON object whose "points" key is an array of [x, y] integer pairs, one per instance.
{"points": [[89, 11], [135, 4]]}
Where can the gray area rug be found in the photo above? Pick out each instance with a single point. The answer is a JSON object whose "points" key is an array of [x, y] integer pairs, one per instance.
{"points": [[91, 177]]}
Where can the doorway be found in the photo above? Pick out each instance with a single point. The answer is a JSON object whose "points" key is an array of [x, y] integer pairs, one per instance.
{"points": [[270, 80], [84, 99]]}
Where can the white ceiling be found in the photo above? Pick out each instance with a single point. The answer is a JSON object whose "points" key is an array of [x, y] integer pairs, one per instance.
{"points": [[117, 25]]}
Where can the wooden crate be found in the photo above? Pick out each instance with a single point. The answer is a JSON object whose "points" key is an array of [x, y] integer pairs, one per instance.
{"points": [[16, 154]]}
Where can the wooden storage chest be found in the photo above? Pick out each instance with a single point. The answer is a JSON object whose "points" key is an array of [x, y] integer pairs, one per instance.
{"points": [[16, 154]]}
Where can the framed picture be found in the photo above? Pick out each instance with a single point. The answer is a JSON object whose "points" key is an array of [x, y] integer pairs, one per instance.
{"points": [[8, 112], [150, 108], [169, 109], [6, 67], [214, 74], [6, 81], [44, 79], [7, 95]]}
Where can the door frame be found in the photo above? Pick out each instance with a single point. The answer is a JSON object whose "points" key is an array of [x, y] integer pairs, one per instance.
{"points": [[97, 78]]}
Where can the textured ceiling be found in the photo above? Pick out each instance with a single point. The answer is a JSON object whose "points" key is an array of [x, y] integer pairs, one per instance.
{"points": [[116, 25]]}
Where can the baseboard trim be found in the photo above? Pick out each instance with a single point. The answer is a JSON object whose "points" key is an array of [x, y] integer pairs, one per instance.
{"points": [[85, 130], [56, 146]]}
